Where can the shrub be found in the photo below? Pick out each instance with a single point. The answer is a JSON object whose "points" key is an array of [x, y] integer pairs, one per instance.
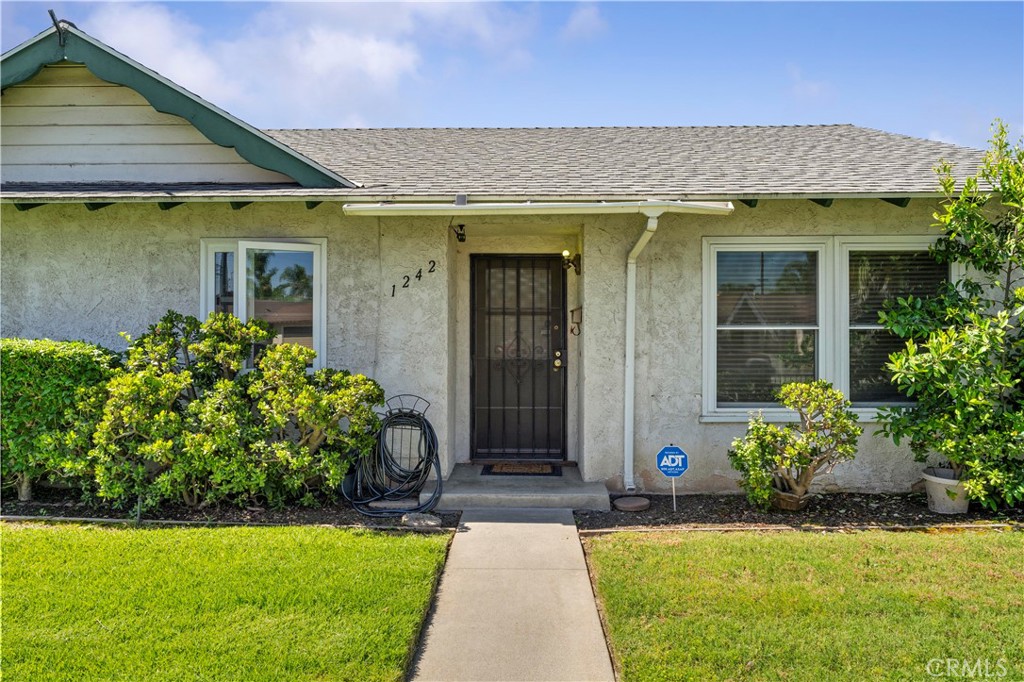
{"points": [[136, 453], [787, 459], [181, 421], [316, 424], [42, 385], [963, 363], [218, 458]]}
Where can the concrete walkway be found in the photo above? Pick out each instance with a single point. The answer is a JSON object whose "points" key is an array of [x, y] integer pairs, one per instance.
{"points": [[514, 603]]}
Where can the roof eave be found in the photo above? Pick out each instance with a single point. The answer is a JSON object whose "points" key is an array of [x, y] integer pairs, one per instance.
{"points": [[312, 194]]}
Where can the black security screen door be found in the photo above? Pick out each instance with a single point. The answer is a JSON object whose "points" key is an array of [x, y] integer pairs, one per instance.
{"points": [[518, 356]]}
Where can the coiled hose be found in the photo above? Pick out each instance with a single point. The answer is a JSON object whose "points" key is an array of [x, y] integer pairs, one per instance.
{"points": [[400, 464]]}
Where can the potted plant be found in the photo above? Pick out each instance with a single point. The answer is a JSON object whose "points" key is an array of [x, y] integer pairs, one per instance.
{"points": [[963, 361], [945, 490], [778, 464]]}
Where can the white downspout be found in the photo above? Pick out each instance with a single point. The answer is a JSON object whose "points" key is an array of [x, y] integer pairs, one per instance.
{"points": [[630, 389]]}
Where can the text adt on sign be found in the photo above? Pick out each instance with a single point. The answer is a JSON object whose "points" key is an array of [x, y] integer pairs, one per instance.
{"points": [[672, 461]]}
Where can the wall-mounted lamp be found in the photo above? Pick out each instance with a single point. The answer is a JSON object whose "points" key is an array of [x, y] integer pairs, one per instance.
{"points": [[460, 232], [571, 261]]}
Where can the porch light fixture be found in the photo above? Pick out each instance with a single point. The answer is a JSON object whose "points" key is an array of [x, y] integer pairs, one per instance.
{"points": [[569, 261], [460, 232]]}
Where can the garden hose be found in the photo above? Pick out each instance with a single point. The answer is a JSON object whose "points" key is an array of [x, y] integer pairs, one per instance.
{"points": [[400, 463]]}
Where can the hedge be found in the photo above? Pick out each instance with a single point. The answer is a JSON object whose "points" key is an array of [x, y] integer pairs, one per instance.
{"points": [[41, 385]]}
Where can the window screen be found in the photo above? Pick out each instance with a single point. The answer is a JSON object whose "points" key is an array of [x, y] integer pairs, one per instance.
{"points": [[877, 276], [767, 323]]}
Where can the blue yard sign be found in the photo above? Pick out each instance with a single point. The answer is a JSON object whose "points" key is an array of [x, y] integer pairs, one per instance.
{"points": [[672, 461]]}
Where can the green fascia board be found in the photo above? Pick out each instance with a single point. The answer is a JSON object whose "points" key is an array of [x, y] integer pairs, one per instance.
{"points": [[220, 127], [24, 61]]}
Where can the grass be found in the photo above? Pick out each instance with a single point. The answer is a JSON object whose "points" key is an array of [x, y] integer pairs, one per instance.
{"points": [[295, 603], [801, 606]]}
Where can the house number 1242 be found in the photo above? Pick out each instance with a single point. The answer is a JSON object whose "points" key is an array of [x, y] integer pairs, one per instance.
{"points": [[407, 279]]}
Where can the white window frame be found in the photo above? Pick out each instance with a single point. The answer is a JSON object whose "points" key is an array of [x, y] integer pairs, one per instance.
{"points": [[833, 309], [317, 246], [824, 346], [846, 245], [208, 248]]}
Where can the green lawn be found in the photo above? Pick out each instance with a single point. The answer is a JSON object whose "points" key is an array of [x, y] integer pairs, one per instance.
{"points": [[298, 603], [803, 606]]}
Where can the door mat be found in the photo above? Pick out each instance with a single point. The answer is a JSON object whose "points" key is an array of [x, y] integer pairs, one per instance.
{"points": [[524, 469]]}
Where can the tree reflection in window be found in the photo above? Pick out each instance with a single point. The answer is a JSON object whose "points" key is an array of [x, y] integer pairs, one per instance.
{"points": [[280, 291]]}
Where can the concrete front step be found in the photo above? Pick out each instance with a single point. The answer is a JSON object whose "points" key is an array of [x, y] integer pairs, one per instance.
{"points": [[466, 488], [487, 499]]}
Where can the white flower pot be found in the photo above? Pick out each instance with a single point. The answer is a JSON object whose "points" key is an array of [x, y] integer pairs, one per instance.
{"points": [[946, 494]]}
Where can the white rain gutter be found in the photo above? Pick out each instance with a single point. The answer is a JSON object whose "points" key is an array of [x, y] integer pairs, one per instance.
{"points": [[652, 209], [539, 208]]}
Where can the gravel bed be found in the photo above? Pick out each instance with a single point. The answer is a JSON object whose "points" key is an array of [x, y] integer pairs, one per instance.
{"points": [[837, 510], [56, 503]]}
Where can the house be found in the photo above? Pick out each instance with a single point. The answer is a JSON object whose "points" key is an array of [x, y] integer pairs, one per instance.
{"points": [[702, 268]]}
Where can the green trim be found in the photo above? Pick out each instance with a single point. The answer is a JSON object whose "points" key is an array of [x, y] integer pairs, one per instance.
{"points": [[310, 205], [25, 60], [168, 205], [27, 207], [217, 125], [827, 203], [239, 205], [97, 205], [751, 203]]}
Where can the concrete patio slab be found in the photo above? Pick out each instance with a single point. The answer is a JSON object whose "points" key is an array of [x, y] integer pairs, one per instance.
{"points": [[515, 603], [467, 488]]}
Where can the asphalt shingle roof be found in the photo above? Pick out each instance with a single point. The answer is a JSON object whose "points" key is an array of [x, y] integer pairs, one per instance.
{"points": [[664, 162], [589, 163]]}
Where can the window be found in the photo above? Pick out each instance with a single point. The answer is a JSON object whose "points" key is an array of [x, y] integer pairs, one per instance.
{"points": [[876, 272], [767, 323], [873, 278], [279, 282], [782, 310]]}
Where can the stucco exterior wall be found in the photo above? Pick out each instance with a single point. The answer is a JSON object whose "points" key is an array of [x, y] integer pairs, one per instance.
{"points": [[670, 348], [606, 243], [66, 272]]}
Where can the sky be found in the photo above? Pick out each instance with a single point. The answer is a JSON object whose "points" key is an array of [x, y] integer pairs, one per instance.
{"points": [[938, 70]]}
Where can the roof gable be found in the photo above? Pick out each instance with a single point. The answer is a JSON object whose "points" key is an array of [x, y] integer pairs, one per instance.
{"points": [[65, 43], [65, 125]]}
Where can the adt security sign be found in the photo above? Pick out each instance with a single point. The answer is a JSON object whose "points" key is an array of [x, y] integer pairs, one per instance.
{"points": [[672, 461]]}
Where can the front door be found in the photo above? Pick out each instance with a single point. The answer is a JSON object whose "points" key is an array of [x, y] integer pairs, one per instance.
{"points": [[518, 358]]}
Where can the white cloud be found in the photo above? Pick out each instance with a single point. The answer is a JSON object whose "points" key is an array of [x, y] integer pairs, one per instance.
{"points": [[314, 64], [316, 75], [166, 42], [584, 23], [805, 88]]}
